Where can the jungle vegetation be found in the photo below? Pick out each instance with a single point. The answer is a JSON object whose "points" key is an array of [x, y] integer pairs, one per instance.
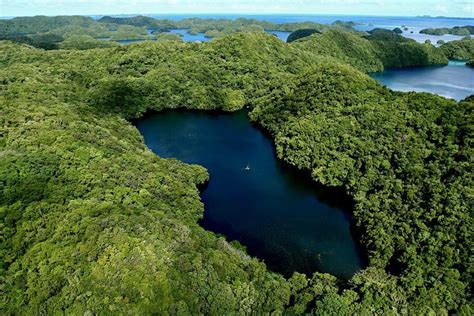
{"points": [[92, 222], [372, 53], [296, 35], [47, 32], [398, 30], [457, 30], [460, 49]]}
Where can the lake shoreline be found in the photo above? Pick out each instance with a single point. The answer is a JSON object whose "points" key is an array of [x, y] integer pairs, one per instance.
{"points": [[335, 197]]}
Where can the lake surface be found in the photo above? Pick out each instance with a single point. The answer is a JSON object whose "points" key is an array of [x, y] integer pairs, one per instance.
{"points": [[456, 80], [185, 36], [280, 215], [280, 34]]}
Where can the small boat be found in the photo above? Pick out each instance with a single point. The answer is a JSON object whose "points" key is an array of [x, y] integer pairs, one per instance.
{"points": [[247, 168]]}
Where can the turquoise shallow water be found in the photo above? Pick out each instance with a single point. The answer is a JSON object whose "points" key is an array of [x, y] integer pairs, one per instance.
{"points": [[455, 80], [280, 215]]}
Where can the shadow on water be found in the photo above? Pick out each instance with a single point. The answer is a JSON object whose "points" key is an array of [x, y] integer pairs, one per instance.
{"points": [[276, 211]]}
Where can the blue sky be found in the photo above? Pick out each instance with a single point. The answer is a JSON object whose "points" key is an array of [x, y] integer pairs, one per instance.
{"points": [[458, 8]]}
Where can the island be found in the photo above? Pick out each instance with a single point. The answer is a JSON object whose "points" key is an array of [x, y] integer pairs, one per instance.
{"points": [[457, 30]]}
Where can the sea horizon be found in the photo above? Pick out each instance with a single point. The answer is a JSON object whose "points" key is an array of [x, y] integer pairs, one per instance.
{"points": [[244, 14]]}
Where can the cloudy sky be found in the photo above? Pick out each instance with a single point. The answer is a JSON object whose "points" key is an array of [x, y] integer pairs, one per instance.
{"points": [[458, 8]]}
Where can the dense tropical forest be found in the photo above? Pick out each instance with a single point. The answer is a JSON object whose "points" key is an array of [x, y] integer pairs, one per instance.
{"points": [[459, 50], [92, 222], [457, 30], [79, 32]]}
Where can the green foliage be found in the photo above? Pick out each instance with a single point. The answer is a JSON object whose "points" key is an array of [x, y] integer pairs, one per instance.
{"points": [[199, 25], [85, 42], [346, 24], [403, 157], [409, 54], [40, 24], [44, 40], [95, 30], [457, 30], [47, 32], [92, 222], [397, 30], [140, 21], [459, 50], [348, 47], [213, 33], [50, 32], [166, 36], [300, 34], [127, 32], [379, 34], [382, 49]]}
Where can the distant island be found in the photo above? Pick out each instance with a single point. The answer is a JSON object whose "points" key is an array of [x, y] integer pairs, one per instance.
{"points": [[442, 17], [457, 30], [63, 31]]}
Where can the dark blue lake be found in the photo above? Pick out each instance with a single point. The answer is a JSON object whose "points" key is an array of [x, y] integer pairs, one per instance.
{"points": [[185, 36], [281, 216], [456, 80]]}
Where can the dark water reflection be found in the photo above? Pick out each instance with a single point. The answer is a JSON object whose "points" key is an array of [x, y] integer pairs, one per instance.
{"points": [[275, 211]]}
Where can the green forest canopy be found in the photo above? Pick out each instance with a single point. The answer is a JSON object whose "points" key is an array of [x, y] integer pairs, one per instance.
{"points": [[460, 49], [301, 33], [79, 32], [374, 52], [37, 30], [94, 222], [457, 30]]}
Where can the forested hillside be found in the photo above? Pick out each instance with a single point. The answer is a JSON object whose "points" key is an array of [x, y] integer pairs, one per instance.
{"points": [[460, 50], [374, 52], [94, 223], [457, 30], [50, 32]]}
